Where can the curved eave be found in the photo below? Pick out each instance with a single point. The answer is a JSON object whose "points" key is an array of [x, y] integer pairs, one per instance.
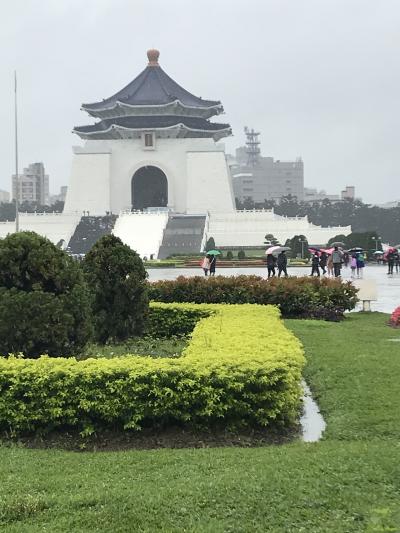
{"points": [[176, 131], [119, 109]]}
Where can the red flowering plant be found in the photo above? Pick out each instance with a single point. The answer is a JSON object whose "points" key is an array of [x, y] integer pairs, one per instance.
{"points": [[395, 318]]}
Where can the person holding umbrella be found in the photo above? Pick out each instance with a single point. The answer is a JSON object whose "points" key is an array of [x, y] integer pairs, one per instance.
{"points": [[397, 260], [271, 262], [390, 259], [315, 264], [360, 262], [213, 260], [205, 264], [323, 259], [282, 264]]}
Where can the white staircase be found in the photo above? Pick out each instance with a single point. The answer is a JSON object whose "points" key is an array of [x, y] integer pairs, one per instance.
{"points": [[143, 232]]}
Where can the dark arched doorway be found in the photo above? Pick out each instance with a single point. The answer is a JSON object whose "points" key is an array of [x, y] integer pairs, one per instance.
{"points": [[149, 188]]}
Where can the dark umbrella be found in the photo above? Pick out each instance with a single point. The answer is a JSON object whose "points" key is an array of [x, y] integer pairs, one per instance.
{"points": [[355, 250]]}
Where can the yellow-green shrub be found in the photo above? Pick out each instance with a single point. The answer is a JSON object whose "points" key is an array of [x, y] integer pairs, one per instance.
{"points": [[241, 367]]}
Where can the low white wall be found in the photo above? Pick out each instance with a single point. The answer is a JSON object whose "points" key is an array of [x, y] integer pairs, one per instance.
{"points": [[250, 227], [54, 226], [143, 232]]}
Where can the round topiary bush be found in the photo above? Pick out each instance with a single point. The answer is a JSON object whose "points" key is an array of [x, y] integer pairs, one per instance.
{"points": [[241, 254], [117, 278], [44, 299], [229, 255]]}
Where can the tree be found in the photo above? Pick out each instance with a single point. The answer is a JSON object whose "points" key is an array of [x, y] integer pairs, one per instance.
{"points": [[117, 279], [7, 211], [210, 245], [337, 238], [44, 300], [241, 254], [229, 255], [270, 240], [298, 246]]}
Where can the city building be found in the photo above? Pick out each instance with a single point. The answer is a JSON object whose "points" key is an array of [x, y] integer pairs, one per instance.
{"points": [[314, 195], [349, 193], [33, 185], [4, 197], [60, 197], [261, 178]]}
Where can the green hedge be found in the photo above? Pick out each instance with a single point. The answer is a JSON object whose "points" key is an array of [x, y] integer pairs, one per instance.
{"points": [[303, 297], [165, 320], [242, 367]]}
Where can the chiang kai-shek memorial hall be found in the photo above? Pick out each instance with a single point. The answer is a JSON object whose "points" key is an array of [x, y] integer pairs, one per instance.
{"points": [[153, 145]]}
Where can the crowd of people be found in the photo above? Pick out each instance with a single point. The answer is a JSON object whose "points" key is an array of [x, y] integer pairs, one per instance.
{"points": [[326, 262], [330, 262]]}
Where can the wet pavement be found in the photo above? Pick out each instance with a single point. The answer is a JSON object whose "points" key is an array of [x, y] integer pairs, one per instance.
{"points": [[388, 287]]}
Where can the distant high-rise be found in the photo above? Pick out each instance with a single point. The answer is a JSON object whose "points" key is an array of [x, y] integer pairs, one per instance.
{"points": [[4, 197], [349, 193], [261, 178], [33, 185]]}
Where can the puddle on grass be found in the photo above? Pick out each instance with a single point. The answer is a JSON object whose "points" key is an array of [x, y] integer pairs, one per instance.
{"points": [[396, 339], [312, 422]]}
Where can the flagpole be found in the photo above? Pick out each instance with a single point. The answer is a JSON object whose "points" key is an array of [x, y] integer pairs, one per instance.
{"points": [[16, 157]]}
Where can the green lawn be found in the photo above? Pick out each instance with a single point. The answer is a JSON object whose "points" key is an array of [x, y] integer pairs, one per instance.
{"points": [[348, 482]]}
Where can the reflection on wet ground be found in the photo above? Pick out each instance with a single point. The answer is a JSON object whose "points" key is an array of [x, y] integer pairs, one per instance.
{"points": [[312, 422], [388, 287]]}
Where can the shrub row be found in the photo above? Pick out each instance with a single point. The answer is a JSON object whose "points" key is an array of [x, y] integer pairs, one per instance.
{"points": [[242, 367], [296, 297], [165, 320]]}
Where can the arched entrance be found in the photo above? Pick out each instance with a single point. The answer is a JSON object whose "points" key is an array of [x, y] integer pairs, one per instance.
{"points": [[149, 188]]}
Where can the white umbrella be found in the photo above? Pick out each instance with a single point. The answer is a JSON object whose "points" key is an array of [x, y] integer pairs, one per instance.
{"points": [[276, 249]]}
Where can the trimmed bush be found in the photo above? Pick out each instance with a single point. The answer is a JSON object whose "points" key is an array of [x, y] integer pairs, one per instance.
{"points": [[296, 297], [242, 367], [241, 254], [44, 300], [165, 320], [116, 277]]}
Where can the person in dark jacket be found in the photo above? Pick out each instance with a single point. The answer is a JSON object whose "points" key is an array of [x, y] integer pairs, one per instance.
{"points": [[337, 261], [213, 264], [282, 264], [315, 264], [271, 262], [390, 260], [397, 261], [322, 261]]}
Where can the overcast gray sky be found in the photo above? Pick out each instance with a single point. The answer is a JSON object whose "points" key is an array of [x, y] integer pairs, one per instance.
{"points": [[319, 78]]}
